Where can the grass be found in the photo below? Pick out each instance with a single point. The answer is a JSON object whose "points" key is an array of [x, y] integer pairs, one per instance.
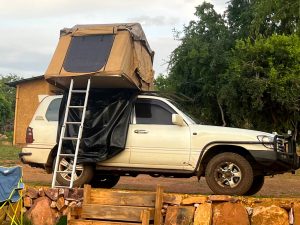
{"points": [[9, 155]]}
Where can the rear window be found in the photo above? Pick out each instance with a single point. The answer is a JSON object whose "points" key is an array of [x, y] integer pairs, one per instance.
{"points": [[53, 110], [88, 53]]}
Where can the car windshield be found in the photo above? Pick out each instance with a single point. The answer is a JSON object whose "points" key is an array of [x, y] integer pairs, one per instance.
{"points": [[182, 109]]}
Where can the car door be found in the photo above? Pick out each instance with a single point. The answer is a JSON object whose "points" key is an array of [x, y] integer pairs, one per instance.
{"points": [[155, 142]]}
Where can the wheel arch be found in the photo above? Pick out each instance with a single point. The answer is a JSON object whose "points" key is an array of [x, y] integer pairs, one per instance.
{"points": [[51, 157], [221, 148]]}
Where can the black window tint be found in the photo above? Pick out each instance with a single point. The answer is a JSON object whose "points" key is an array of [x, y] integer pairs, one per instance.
{"points": [[148, 111], [88, 53], [53, 110]]}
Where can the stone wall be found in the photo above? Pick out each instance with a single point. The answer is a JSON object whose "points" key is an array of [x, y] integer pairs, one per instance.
{"points": [[227, 210], [44, 206]]}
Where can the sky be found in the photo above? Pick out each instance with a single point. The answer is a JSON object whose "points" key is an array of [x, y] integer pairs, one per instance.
{"points": [[30, 28]]}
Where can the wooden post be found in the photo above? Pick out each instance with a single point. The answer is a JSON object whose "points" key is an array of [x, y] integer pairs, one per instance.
{"points": [[16, 115], [145, 217], [70, 214], [158, 205], [74, 213], [87, 194]]}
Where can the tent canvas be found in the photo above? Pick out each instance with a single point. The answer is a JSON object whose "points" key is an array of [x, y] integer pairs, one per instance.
{"points": [[113, 55]]}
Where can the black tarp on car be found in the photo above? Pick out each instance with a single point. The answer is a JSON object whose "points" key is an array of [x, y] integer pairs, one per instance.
{"points": [[106, 123]]}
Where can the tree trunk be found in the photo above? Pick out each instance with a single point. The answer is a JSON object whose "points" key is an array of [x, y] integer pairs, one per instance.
{"points": [[222, 113]]}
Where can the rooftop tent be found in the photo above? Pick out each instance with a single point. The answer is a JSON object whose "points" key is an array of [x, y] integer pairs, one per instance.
{"points": [[113, 55]]}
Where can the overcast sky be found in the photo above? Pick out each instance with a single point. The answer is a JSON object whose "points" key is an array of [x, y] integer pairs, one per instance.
{"points": [[30, 28]]}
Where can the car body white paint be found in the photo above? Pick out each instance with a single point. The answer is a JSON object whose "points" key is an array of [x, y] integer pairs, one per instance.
{"points": [[163, 146]]}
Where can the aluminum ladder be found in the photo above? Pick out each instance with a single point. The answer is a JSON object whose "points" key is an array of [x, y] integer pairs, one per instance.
{"points": [[63, 137]]}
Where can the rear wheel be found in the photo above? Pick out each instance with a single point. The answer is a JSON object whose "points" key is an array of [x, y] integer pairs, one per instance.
{"points": [[229, 173], [83, 173], [258, 182], [104, 181]]}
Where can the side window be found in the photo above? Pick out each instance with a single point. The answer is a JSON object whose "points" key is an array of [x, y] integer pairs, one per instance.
{"points": [[150, 111], [53, 110]]}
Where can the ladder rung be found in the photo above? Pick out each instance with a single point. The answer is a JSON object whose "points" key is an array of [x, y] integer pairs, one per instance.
{"points": [[78, 91], [73, 122], [71, 155], [62, 187], [76, 106], [69, 138], [63, 171]]}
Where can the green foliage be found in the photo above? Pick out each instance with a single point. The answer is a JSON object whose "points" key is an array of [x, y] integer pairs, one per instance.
{"points": [[196, 64], [163, 83], [252, 18], [263, 83], [5, 109], [7, 100], [276, 17], [9, 92], [26, 221], [10, 136], [242, 68], [62, 220], [239, 16]]}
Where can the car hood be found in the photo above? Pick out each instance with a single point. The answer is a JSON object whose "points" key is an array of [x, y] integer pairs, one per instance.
{"points": [[216, 133]]}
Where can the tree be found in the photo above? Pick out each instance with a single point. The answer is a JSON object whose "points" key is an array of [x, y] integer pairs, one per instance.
{"points": [[202, 56], [7, 100], [239, 15], [276, 17], [263, 84], [241, 69], [162, 83], [5, 110], [252, 18]]}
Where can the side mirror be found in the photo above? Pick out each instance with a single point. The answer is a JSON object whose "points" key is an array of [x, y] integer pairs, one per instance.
{"points": [[177, 120]]}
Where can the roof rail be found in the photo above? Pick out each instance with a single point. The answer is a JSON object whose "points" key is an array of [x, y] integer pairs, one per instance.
{"points": [[170, 95]]}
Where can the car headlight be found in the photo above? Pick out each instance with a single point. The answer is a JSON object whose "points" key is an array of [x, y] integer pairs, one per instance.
{"points": [[267, 141]]}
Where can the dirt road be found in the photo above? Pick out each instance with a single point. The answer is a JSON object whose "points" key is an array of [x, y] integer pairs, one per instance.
{"points": [[279, 186]]}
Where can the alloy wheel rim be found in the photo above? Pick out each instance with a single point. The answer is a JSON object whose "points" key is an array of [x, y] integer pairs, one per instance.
{"points": [[228, 174], [66, 165]]}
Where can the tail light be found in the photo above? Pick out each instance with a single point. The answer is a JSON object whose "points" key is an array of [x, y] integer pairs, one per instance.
{"points": [[29, 135]]}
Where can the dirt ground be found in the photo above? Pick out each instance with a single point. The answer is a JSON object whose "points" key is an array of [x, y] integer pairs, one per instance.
{"points": [[279, 186]]}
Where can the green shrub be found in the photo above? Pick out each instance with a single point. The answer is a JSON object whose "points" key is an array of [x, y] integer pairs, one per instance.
{"points": [[62, 221]]}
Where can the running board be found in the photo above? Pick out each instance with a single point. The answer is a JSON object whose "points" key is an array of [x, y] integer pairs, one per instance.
{"points": [[139, 170]]}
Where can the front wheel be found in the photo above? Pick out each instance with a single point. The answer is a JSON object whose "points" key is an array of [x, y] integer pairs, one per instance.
{"points": [[83, 173], [229, 173], [258, 182]]}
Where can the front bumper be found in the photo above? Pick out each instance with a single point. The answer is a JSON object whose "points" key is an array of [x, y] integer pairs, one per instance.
{"points": [[283, 158]]}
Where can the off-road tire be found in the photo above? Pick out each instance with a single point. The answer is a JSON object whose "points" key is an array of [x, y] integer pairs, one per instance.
{"points": [[84, 178], [104, 181], [258, 182], [213, 168]]}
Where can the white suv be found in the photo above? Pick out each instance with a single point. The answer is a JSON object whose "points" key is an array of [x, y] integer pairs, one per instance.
{"points": [[169, 143]]}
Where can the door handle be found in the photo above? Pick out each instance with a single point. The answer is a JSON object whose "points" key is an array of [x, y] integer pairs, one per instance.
{"points": [[141, 131]]}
